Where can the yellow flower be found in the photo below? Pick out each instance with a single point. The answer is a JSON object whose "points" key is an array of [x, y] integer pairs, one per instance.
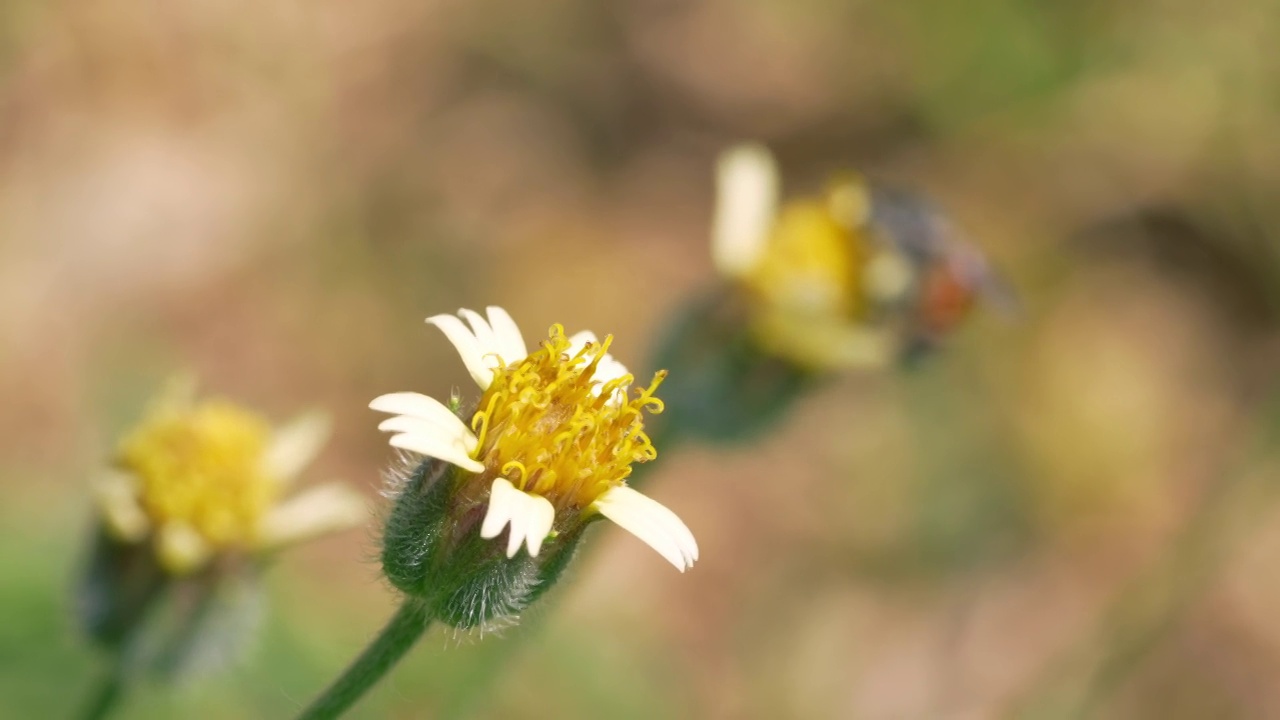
{"points": [[819, 284], [204, 479], [551, 442]]}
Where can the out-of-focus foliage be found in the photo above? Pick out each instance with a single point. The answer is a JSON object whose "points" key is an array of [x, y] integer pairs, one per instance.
{"points": [[269, 195], [722, 387]]}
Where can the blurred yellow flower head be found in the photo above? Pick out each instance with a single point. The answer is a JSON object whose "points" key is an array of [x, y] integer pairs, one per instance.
{"points": [[828, 284], [202, 479], [810, 272], [552, 440]]}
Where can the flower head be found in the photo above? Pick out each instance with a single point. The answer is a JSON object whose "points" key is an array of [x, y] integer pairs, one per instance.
{"points": [[550, 444], [203, 479], [840, 279]]}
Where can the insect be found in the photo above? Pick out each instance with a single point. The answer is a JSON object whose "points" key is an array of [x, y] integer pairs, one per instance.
{"points": [[949, 275]]}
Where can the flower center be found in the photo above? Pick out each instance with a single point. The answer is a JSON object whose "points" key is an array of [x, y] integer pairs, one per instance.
{"points": [[812, 264], [203, 466], [550, 428]]}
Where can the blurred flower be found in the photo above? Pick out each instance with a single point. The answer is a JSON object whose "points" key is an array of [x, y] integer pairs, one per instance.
{"points": [[548, 450], [851, 278], [196, 480], [856, 277], [194, 501]]}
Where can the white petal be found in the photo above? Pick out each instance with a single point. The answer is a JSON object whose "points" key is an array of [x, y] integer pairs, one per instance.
{"points": [[861, 347], [456, 433], [469, 349], [117, 494], [579, 340], [178, 393], [648, 532], [419, 413], [181, 549], [662, 515], [500, 507], [746, 204], [542, 515], [485, 336], [609, 369], [419, 406], [506, 507], [508, 333], [606, 369], [436, 446], [295, 445], [529, 516], [888, 276], [652, 522], [315, 511], [519, 524], [422, 415]]}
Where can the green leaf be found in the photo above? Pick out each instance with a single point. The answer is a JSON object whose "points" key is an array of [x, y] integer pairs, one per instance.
{"points": [[721, 387]]}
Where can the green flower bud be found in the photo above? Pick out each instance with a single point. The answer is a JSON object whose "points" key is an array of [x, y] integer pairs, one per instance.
{"points": [[432, 550]]}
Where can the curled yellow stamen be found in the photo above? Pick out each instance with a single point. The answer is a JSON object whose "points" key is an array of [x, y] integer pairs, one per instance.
{"points": [[549, 426]]}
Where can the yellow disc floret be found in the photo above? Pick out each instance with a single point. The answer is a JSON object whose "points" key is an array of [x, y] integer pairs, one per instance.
{"points": [[816, 283], [202, 466], [547, 425], [812, 264]]}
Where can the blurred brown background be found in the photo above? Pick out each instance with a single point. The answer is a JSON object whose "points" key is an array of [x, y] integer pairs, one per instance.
{"points": [[1066, 515]]}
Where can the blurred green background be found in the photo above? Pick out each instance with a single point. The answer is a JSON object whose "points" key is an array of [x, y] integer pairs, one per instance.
{"points": [[1071, 514]]}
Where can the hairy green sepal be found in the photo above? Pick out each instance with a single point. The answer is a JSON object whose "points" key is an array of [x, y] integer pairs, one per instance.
{"points": [[432, 551]]}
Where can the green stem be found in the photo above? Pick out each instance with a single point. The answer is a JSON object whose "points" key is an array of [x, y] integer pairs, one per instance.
{"points": [[106, 696], [400, 634]]}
